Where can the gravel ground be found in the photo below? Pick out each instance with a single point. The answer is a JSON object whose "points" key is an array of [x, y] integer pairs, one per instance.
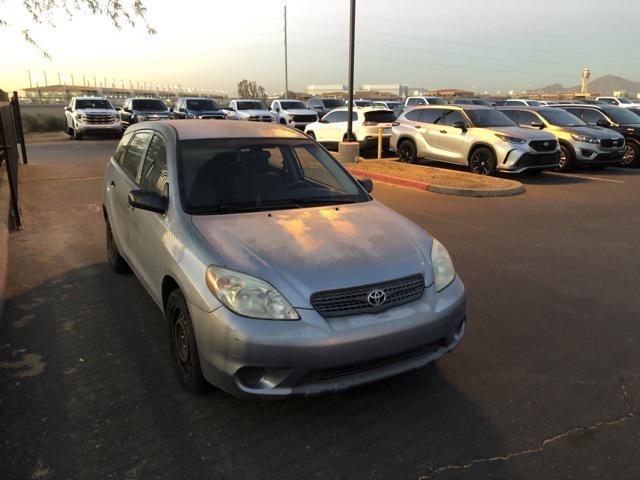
{"points": [[432, 175]]}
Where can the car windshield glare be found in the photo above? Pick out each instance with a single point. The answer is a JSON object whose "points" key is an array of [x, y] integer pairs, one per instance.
{"points": [[202, 105], [250, 105], [89, 104], [621, 115], [561, 118], [230, 175], [151, 105], [489, 118], [291, 104]]}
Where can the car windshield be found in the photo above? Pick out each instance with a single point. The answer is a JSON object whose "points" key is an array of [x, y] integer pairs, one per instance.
{"points": [[534, 103], [624, 100], [394, 105], [486, 103], [202, 104], [380, 116], [363, 103], [250, 105], [149, 104], [489, 118], [333, 103], [561, 118], [635, 110], [219, 176], [621, 115], [88, 104], [436, 101], [291, 104]]}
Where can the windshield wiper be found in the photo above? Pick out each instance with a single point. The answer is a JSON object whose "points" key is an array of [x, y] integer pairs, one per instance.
{"points": [[323, 201]]}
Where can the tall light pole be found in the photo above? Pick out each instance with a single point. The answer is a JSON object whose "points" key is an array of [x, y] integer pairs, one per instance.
{"points": [[352, 34], [286, 66]]}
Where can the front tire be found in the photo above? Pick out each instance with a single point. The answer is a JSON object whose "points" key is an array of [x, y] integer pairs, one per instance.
{"points": [[483, 162], [631, 154], [567, 159], [116, 262], [184, 350], [76, 134], [407, 152]]}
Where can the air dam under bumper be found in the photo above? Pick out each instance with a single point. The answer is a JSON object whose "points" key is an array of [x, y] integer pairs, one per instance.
{"points": [[248, 357]]}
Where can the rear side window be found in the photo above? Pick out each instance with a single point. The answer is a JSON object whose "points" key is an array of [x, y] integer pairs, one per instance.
{"points": [[413, 115], [380, 116], [591, 117], [432, 115], [527, 118], [122, 146], [132, 158], [154, 171], [416, 101], [454, 117]]}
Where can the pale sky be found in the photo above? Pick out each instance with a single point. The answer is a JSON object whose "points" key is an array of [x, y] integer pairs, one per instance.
{"points": [[472, 44]]}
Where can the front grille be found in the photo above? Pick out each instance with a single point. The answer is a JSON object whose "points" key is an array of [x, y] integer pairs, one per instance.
{"points": [[354, 300], [258, 118], [304, 118], [209, 117], [612, 142], [99, 119], [544, 145], [529, 160], [329, 374]]}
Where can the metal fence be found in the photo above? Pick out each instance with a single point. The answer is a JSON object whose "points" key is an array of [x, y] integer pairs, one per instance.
{"points": [[12, 138]]}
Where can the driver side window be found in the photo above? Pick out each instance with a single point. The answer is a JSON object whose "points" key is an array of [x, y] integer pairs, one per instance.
{"points": [[453, 117], [333, 117]]}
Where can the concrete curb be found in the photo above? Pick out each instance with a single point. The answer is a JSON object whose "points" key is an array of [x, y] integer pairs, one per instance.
{"points": [[516, 188]]}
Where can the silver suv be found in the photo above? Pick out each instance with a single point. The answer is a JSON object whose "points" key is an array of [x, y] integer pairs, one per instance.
{"points": [[580, 144], [476, 136]]}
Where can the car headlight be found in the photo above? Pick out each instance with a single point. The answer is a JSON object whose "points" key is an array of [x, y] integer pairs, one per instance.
{"points": [[248, 296], [79, 116], [584, 138], [443, 270], [508, 139]]}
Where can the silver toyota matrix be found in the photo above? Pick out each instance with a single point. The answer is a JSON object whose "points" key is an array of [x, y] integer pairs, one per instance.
{"points": [[276, 271]]}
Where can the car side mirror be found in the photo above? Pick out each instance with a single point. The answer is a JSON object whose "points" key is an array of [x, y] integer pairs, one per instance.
{"points": [[145, 200], [231, 109], [67, 108], [603, 123], [539, 125], [366, 183], [461, 125]]}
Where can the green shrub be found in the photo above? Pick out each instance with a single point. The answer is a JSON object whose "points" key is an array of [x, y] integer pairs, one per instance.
{"points": [[40, 122]]}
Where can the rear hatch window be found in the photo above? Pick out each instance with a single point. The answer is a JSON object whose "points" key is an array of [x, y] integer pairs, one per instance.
{"points": [[380, 116]]}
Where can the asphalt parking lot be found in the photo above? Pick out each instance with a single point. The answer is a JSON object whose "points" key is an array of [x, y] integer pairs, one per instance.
{"points": [[545, 385]]}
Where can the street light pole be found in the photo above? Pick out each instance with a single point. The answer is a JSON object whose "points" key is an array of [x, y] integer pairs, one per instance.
{"points": [[352, 34], [286, 66]]}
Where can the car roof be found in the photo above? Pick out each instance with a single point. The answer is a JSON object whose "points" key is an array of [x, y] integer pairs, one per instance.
{"points": [[451, 106], [370, 108], [525, 107], [246, 100], [143, 98], [212, 129], [196, 98], [91, 98]]}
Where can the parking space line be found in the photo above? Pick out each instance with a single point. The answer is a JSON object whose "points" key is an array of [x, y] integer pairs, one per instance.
{"points": [[585, 177]]}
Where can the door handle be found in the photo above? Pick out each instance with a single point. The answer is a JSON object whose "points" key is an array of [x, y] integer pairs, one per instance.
{"points": [[417, 126], [443, 131], [112, 184]]}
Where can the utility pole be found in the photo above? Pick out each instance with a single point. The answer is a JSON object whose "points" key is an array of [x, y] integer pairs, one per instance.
{"points": [[45, 78], [30, 82], [352, 34], [286, 66]]}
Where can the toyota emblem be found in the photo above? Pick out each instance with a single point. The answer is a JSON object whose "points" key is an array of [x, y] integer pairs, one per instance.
{"points": [[376, 297]]}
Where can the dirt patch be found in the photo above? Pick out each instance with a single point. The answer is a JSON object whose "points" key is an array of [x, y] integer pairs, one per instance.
{"points": [[432, 175]]}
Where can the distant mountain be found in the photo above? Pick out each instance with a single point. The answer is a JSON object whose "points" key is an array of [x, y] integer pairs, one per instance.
{"points": [[604, 85]]}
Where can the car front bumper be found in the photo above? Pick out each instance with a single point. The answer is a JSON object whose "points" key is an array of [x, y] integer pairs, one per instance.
{"points": [[98, 128], [593, 155], [517, 161], [248, 357]]}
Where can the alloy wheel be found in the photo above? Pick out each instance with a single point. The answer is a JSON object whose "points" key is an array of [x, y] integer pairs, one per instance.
{"points": [[482, 162], [629, 155]]}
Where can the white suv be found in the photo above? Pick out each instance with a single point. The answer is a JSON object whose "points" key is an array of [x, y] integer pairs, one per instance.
{"points": [[248, 109], [87, 115], [367, 121], [417, 101], [618, 102], [293, 113]]}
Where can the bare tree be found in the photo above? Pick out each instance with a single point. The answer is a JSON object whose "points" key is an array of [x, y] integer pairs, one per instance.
{"points": [[250, 89], [42, 12]]}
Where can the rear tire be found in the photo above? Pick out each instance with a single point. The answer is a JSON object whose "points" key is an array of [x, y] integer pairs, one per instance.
{"points": [[567, 159], [116, 262], [184, 350], [483, 162], [407, 152]]}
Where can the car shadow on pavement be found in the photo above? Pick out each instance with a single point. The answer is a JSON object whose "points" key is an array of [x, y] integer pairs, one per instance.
{"points": [[89, 391]]}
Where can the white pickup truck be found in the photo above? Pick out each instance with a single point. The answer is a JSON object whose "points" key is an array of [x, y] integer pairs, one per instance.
{"points": [[91, 115], [248, 109], [619, 102], [293, 113]]}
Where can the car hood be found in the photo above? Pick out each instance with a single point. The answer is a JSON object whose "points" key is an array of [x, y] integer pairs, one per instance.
{"points": [[594, 132], [526, 133], [303, 251], [299, 111], [96, 111], [254, 112]]}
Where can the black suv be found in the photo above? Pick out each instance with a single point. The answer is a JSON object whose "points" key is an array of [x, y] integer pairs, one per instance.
{"points": [[616, 118], [197, 107], [324, 105], [136, 110]]}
